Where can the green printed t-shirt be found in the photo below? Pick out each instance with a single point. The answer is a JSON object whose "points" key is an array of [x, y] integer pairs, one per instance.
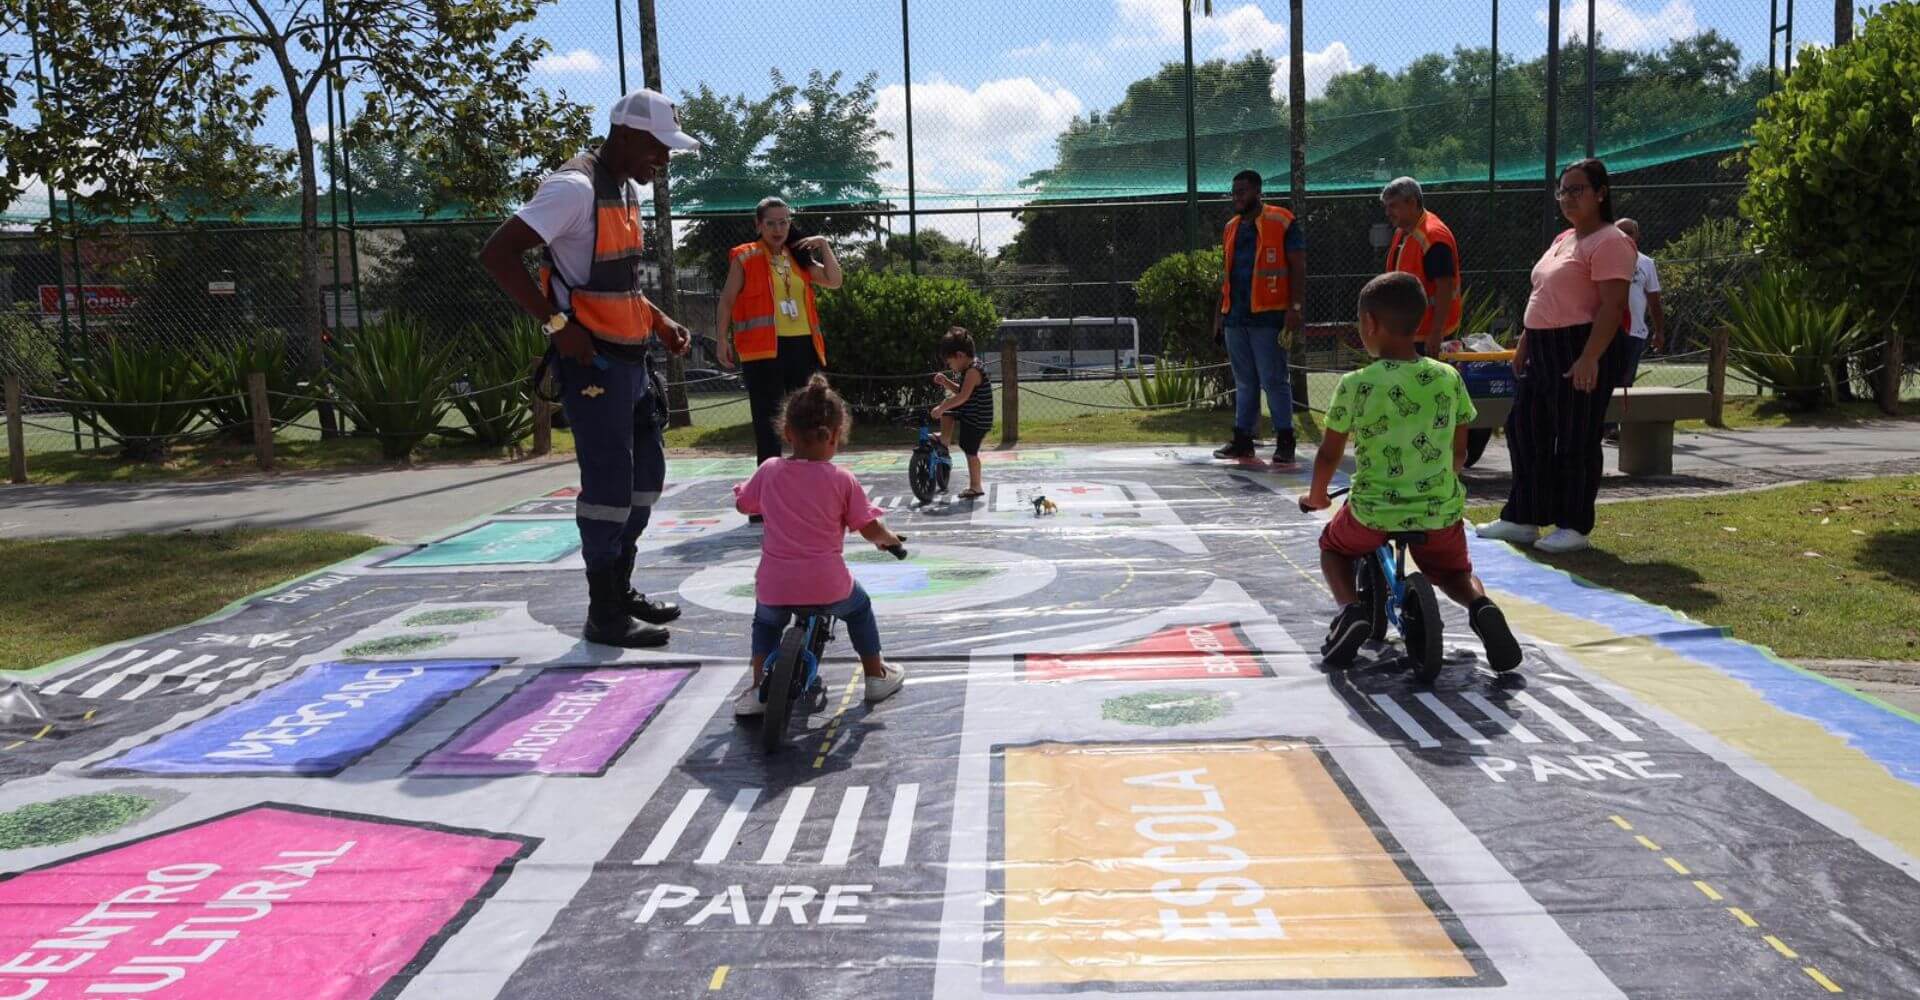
{"points": [[1400, 416]]}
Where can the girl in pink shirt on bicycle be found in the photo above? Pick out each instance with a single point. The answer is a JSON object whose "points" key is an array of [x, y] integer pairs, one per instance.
{"points": [[808, 505]]}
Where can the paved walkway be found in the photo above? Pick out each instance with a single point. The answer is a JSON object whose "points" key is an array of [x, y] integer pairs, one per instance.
{"points": [[410, 505]]}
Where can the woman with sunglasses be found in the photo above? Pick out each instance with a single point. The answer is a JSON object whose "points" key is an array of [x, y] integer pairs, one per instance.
{"points": [[1569, 360]]}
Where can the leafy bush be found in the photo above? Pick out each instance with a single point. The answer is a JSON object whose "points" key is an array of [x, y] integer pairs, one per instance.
{"points": [[141, 397], [27, 350], [1831, 171], [1482, 310], [1699, 271], [1788, 343], [889, 326], [1169, 385], [1181, 293], [498, 399], [393, 384], [289, 397]]}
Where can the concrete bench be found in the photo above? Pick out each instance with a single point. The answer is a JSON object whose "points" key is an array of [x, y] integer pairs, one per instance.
{"points": [[1646, 418]]}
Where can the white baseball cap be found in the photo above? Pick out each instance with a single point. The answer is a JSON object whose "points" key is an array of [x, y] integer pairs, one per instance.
{"points": [[650, 111]]}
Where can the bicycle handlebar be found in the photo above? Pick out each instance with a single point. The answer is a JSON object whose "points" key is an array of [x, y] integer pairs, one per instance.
{"points": [[1331, 495], [899, 549]]}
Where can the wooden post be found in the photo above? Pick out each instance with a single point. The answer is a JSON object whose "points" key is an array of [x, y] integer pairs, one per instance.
{"points": [[542, 423], [1892, 366], [1717, 377], [262, 420], [1009, 393], [16, 431]]}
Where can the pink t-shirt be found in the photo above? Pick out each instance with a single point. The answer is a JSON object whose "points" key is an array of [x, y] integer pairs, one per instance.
{"points": [[1564, 293], [808, 509]]}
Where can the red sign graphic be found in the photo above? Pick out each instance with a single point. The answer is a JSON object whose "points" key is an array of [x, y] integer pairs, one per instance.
{"points": [[1182, 652], [270, 901], [102, 300]]}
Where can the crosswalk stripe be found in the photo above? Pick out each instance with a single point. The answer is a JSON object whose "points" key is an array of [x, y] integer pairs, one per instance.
{"points": [[194, 680], [1406, 722], [1453, 722], [736, 816], [113, 680], [669, 835], [784, 831], [1502, 719], [845, 825], [238, 675], [68, 681], [1599, 718], [153, 680], [900, 826], [1552, 717]]}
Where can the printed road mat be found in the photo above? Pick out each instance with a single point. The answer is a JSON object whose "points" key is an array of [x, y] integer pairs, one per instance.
{"points": [[1117, 769]]}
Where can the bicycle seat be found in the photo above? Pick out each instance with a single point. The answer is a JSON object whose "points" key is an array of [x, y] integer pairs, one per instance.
{"points": [[1409, 537]]}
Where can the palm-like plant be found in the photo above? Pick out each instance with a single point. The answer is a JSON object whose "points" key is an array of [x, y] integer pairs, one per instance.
{"points": [[498, 402], [288, 397], [142, 398], [1170, 385], [393, 384], [1789, 344]]}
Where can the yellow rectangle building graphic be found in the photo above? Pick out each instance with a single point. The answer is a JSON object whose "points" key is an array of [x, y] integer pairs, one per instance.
{"points": [[1202, 862]]}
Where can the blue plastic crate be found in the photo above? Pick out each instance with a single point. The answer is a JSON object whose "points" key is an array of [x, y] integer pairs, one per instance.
{"points": [[1488, 379]]}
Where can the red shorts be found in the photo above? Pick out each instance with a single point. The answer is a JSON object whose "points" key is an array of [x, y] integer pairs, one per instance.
{"points": [[1445, 550]]}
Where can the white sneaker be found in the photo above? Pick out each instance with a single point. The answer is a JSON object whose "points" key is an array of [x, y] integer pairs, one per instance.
{"points": [[749, 704], [1507, 531], [881, 688], [1563, 540]]}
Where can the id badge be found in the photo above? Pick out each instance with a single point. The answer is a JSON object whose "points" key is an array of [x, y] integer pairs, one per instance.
{"points": [[789, 308]]}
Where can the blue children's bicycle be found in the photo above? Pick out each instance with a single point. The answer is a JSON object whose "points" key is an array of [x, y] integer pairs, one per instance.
{"points": [[1401, 599], [792, 674], [931, 465]]}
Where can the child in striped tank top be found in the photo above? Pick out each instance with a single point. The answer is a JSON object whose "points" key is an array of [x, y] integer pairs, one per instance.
{"points": [[969, 405]]}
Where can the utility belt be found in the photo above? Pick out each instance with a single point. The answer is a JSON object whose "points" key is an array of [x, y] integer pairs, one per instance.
{"points": [[546, 380]]}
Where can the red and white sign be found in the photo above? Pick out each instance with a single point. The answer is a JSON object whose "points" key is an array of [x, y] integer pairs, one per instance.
{"points": [[271, 901], [102, 300], [1182, 652]]}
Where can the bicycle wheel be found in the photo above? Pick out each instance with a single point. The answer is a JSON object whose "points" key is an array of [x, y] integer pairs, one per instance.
{"points": [[1374, 593], [920, 475], [1420, 625], [943, 469], [783, 670]]}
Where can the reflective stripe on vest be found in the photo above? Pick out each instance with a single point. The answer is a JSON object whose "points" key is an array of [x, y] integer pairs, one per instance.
{"points": [[1272, 290], [1409, 253], [752, 321], [610, 304]]}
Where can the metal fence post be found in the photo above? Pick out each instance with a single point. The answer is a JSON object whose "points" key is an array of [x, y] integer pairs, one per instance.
{"points": [[16, 432], [1893, 366], [262, 420], [542, 423], [1717, 376], [1009, 393]]}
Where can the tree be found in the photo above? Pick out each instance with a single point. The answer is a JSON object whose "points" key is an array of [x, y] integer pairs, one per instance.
{"points": [[135, 72], [1827, 150], [815, 144], [938, 254]]}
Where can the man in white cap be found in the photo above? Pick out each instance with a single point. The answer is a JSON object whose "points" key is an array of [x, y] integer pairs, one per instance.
{"points": [[601, 327]]}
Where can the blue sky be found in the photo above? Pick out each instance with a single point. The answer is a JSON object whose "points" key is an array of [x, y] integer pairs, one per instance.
{"points": [[996, 80]]}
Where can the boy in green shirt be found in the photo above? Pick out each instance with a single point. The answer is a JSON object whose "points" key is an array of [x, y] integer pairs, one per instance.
{"points": [[1408, 418]]}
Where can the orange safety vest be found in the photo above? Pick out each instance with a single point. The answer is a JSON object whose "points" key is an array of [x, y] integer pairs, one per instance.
{"points": [[1271, 290], [611, 304], [752, 323], [1409, 253]]}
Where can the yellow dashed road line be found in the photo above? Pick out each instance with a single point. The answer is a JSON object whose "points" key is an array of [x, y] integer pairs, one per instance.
{"points": [[719, 979], [833, 725], [1746, 919]]}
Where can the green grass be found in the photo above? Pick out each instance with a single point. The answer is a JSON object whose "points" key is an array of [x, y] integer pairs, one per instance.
{"points": [[64, 596], [1826, 570], [1753, 412], [67, 819]]}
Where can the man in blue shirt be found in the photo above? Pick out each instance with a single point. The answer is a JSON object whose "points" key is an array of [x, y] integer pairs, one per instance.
{"points": [[1262, 297]]}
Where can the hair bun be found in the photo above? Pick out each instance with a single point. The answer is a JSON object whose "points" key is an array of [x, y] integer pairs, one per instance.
{"points": [[818, 382]]}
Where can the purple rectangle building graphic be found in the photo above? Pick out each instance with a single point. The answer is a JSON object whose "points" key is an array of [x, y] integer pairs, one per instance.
{"points": [[571, 722]]}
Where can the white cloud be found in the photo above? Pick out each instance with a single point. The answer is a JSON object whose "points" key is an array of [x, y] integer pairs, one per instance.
{"points": [[1622, 27], [1228, 33], [575, 61], [1322, 66], [984, 139]]}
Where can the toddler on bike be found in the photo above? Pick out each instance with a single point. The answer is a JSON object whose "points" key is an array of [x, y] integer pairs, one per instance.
{"points": [[1408, 418], [969, 404], [808, 505]]}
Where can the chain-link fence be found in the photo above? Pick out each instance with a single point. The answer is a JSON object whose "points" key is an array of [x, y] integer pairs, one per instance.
{"points": [[1047, 163]]}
